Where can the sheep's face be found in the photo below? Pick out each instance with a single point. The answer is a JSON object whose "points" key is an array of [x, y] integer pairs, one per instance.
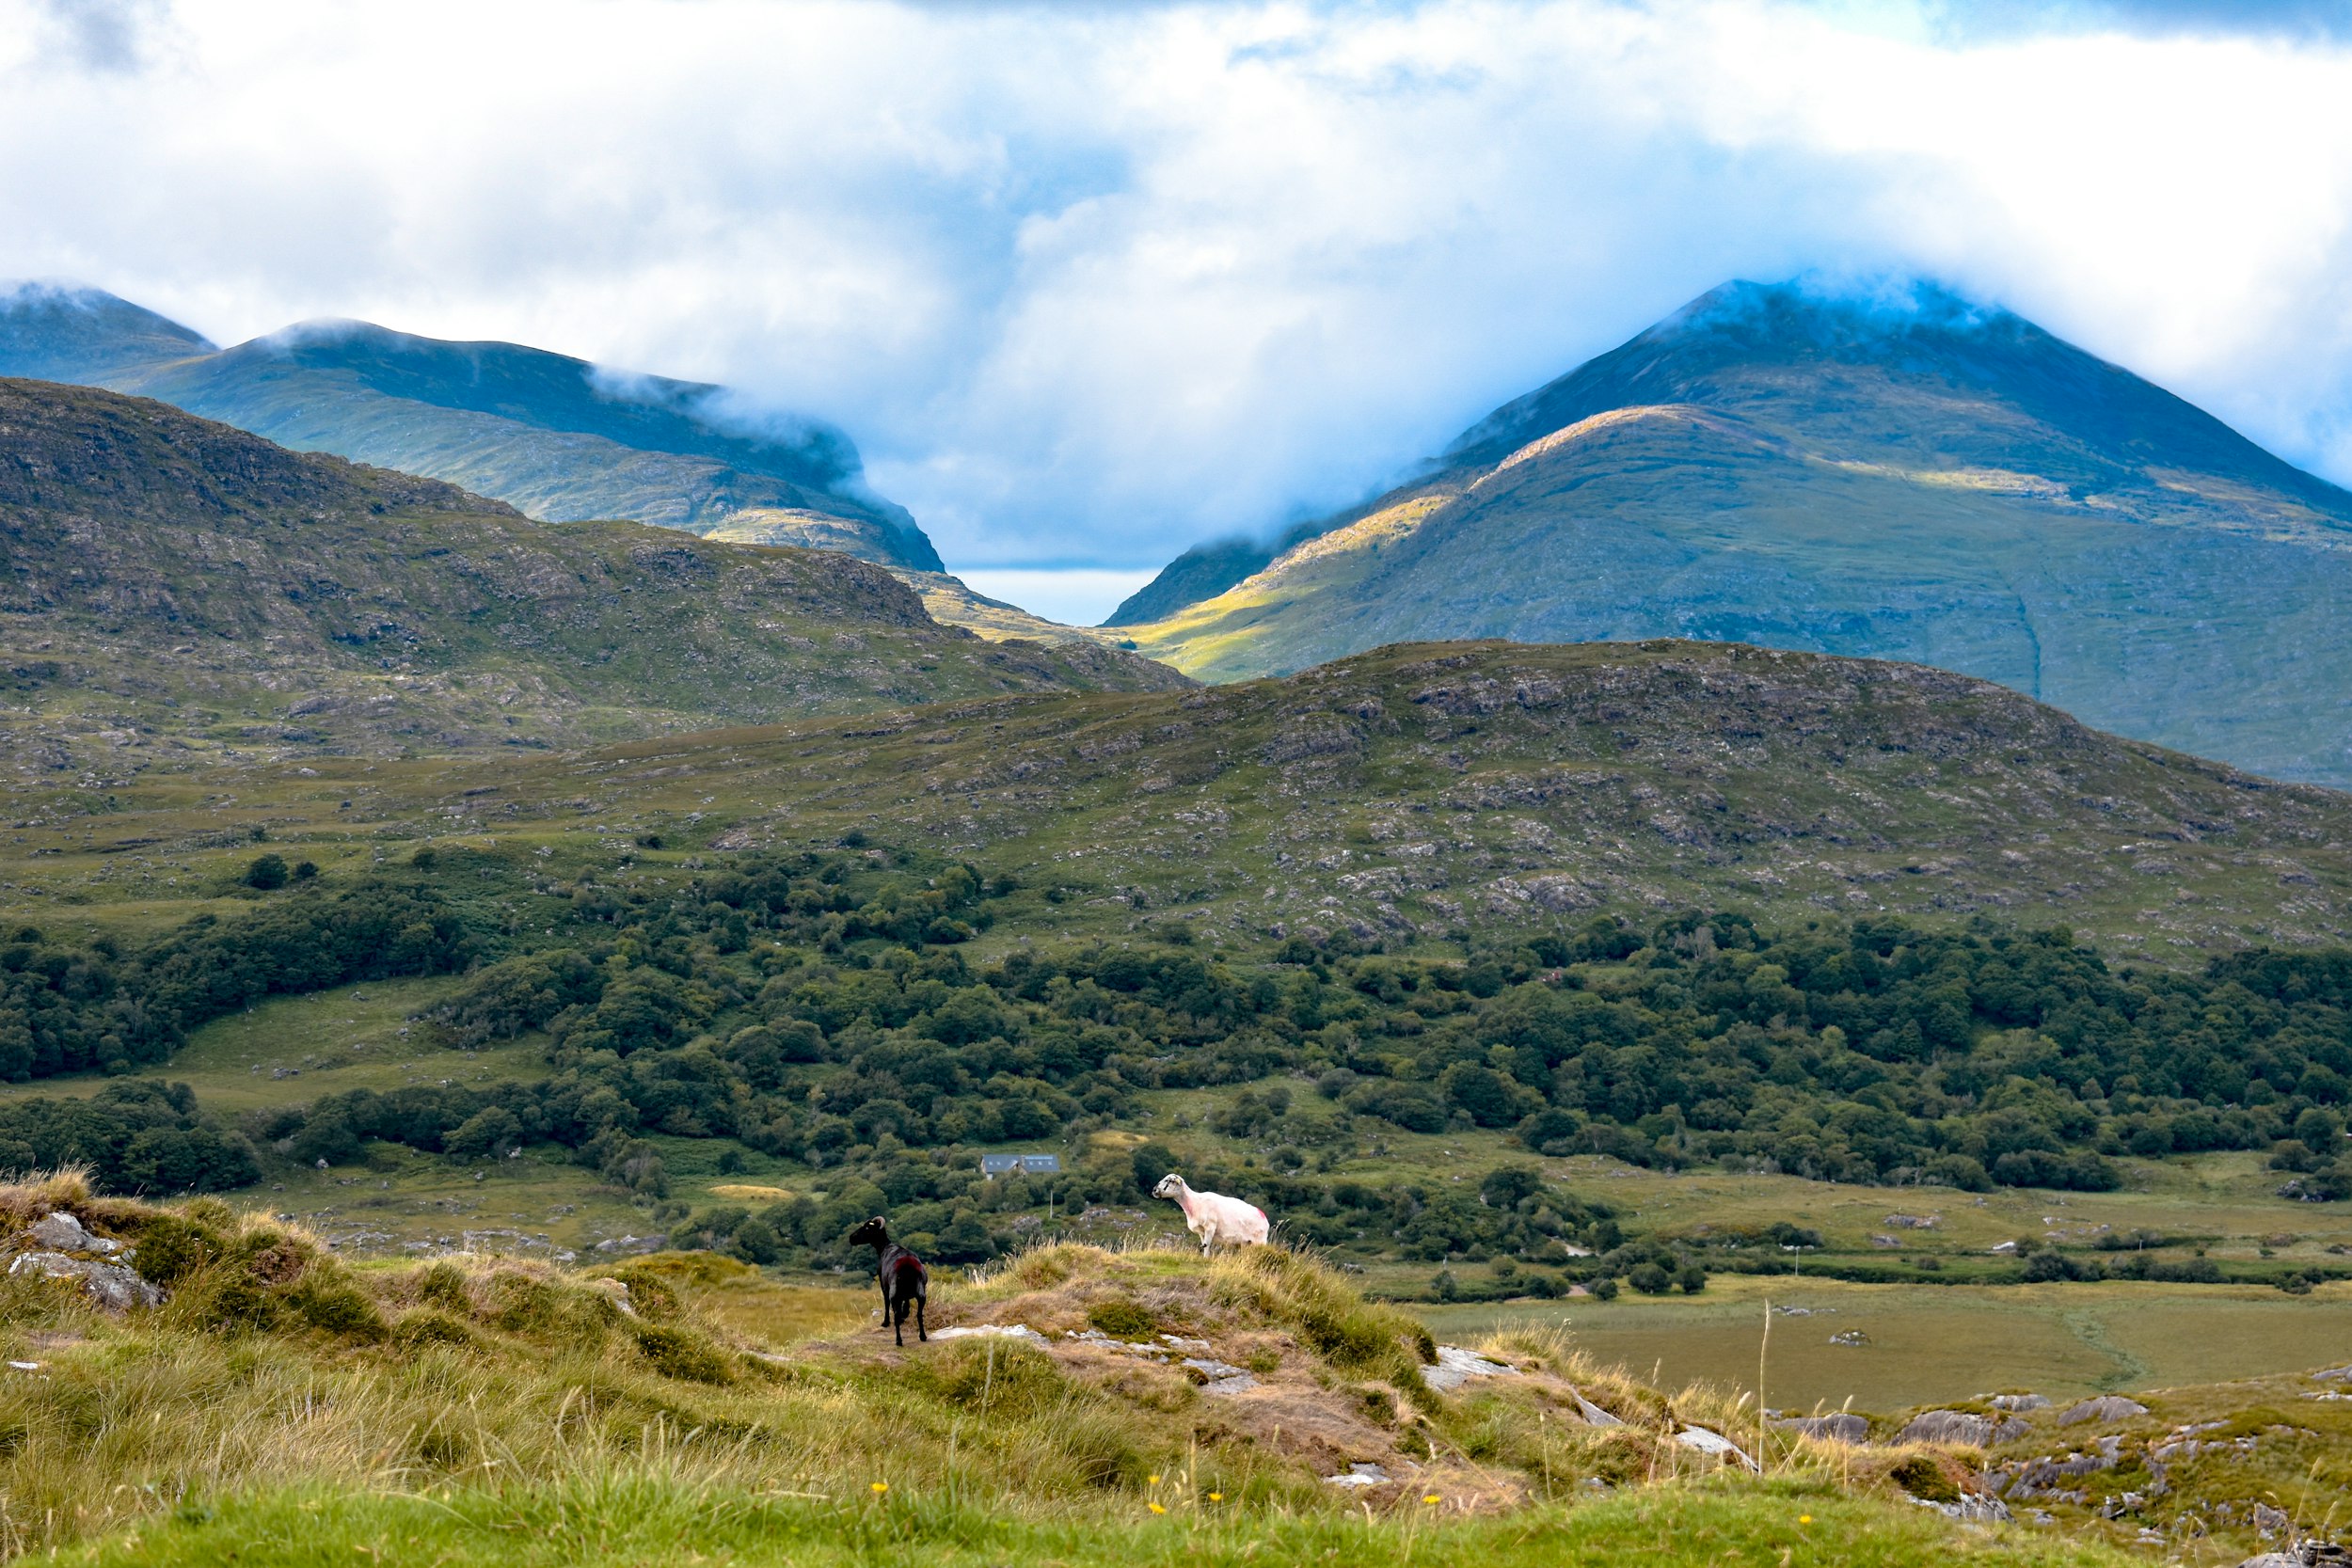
{"points": [[1169, 1185], [869, 1234]]}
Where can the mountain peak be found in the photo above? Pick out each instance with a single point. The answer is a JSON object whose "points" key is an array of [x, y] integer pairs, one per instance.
{"points": [[56, 330], [679, 453], [1840, 358], [1890, 472]]}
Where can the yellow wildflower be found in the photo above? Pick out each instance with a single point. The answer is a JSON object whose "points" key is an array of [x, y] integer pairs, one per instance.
{"points": [[880, 1487], [1156, 1508]]}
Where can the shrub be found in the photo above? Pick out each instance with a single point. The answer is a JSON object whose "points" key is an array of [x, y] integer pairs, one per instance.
{"points": [[334, 1307], [1923, 1477], [1122, 1319], [681, 1353], [488, 1133], [416, 1330]]}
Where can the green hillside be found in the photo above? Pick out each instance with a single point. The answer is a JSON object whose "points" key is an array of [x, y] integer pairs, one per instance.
{"points": [[1940, 484], [176, 589], [1415, 796], [1421, 793], [560, 438]]}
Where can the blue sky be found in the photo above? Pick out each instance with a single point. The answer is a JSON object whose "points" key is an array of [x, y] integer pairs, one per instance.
{"points": [[1089, 283]]}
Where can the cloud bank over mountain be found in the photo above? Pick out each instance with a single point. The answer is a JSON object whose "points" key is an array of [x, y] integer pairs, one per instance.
{"points": [[1090, 284]]}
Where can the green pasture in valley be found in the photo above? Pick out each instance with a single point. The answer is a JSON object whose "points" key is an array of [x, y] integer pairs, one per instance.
{"points": [[1926, 1344]]}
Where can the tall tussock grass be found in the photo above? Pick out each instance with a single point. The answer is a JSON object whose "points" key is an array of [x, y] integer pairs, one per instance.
{"points": [[289, 1406], [274, 1362]]}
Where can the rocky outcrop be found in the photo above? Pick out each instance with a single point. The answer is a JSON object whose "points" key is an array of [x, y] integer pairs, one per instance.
{"points": [[2105, 1408], [1961, 1426], [1456, 1366], [1969, 1508], [59, 1247]]}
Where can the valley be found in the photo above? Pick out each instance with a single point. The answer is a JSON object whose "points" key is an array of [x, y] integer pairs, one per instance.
{"points": [[496, 911]]}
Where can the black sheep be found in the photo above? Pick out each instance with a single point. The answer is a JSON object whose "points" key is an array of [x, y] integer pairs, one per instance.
{"points": [[903, 1277]]}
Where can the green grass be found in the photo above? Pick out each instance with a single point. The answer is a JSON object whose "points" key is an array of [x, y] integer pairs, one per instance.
{"points": [[1930, 1344], [285, 1406], [325, 1042], [645, 1517]]}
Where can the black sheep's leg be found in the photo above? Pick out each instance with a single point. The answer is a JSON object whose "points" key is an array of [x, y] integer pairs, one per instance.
{"points": [[922, 1333]]}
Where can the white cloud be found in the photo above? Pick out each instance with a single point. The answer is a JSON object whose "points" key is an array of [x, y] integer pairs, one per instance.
{"points": [[1089, 283]]}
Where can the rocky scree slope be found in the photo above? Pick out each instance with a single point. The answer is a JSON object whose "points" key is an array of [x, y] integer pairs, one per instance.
{"points": [[166, 582], [1938, 484]]}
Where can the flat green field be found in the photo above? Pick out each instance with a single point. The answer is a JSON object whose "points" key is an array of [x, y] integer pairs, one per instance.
{"points": [[1929, 1343], [293, 1048]]}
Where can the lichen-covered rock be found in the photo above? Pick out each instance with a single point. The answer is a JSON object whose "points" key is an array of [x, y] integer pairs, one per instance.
{"points": [[1840, 1426], [1456, 1366], [1714, 1444], [1960, 1426], [63, 1232], [114, 1286], [1969, 1508], [2105, 1408]]}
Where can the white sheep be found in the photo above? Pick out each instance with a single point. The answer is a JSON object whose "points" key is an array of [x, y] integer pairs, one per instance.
{"points": [[1213, 1217]]}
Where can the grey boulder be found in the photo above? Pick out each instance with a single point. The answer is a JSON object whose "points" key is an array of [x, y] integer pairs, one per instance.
{"points": [[1960, 1426], [111, 1285], [2105, 1408], [63, 1232]]}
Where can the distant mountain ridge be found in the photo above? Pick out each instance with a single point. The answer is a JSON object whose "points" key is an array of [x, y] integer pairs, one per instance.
{"points": [[173, 589], [558, 437], [1915, 478]]}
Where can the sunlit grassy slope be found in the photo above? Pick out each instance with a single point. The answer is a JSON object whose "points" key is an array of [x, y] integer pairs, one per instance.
{"points": [[1946, 487]]}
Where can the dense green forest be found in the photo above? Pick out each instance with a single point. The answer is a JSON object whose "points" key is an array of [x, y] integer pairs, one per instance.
{"points": [[821, 1008]]}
